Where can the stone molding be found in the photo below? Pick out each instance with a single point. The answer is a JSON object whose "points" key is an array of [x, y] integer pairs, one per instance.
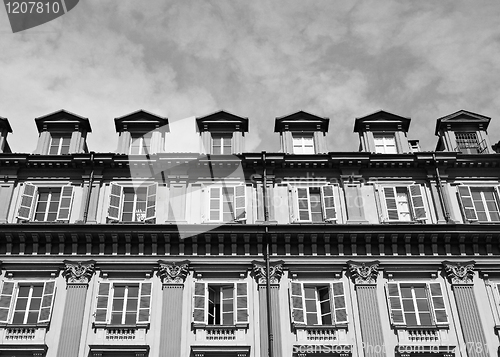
{"points": [[364, 272], [459, 272], [275, 272], [173, 272], [78, 272]]}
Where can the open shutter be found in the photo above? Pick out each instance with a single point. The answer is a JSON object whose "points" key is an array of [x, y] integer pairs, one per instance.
{"points": [[339, 304], [214, 204], [65, 203], [240, 203], [200, 314], [390, 203], [115, 202], [437, 300], [241, 303], [303, 204], [417, 202], [297, 303], [49, 290], [328, 203], [101, 310], [293, 204], [467, 203], [151, 202], [6, 300], [395, 304], [27, 201], [144, 303]]}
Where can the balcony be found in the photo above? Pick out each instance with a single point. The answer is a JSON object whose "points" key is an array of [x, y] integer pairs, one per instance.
{"points": [[424, 340], [220, 333]]}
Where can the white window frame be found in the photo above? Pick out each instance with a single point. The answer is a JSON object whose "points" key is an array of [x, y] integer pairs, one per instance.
{"points": [[28, 202], [387, 140], [59, 137], [416, 198], [301, 146], [142, 139], [466, 207], [239, 203], [225, 138], [116, 194], [330, 206]]}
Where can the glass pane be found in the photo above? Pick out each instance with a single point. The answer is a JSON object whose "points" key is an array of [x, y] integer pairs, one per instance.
{"points": [[119, 291], [425, 319], [423, 305], [116, 318], [408, 305], [411, 319], [35, 303], [310, 292], [312, 319], [420, 292], [18, 318], [133, 291], [117, 304], [406, 292], [23, 291], [132, 305], [326, 319], [32, 317], [311, 305], [130, 318], [227, 319], [21, 304], [325, 307]]}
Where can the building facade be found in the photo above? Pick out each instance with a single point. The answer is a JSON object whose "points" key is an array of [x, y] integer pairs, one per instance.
{"points": [[389, 251]]}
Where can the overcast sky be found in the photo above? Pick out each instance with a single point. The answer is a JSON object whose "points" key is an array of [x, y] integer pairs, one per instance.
{"points": [[259, 59]]}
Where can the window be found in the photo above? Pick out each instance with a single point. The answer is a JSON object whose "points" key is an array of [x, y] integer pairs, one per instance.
{"points": [[227, 204], [467, 143], [45, 204], [123, 303], [403, 204], [416, 304], [221, 144], [385, 143], [140, 144], [303, 144], [23, 303], [132, 204], [313, 204], [220, 304], [322, 304], [480, 203], [59, 144]]}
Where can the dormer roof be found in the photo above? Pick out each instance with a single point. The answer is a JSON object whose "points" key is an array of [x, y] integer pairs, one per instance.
{"points": [[4, 124], [222, 121], [140, 120], [463, 120], [62, 120], [301, 121], [382, 121]]}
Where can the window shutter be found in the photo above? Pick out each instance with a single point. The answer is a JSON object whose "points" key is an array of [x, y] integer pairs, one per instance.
{"points": [[27, 201], [467, 203], [6, 300], [200, 303], [101, 311], [395, 304], [417, 203], [293, 203], [339, 304], [240, 204], [328, 203], [241, 303], [115, 202], [297, 303], [49, 290], [303, 204], [144, 303], [390, 203], [65, 203], [151, 202], [437, 301], [214, 204]]}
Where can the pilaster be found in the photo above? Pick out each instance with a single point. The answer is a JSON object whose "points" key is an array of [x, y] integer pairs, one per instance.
{"points": [[364, 276]]}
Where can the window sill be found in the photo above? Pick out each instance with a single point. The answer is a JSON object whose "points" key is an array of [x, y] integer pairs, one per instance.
{"points": [[421, 327], [115, 326], [320, 327], [220, 327], [41, 325]]}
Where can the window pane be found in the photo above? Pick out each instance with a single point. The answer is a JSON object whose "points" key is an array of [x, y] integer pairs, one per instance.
{"points": [[326, 319], [411, 319], [21, 304], [227, 319], [406, 292], [18, 318], [420, 292], [312, 319], [311, 305], [116, 318], [132, 305], [119, 291], [310, 292], [35, 303], [425, 319], [423, 305], [408, 305], [133, 291], [32, 317], [24, 291], [117, 304]]}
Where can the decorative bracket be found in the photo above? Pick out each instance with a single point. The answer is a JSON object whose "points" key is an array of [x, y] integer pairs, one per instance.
{"points": [[275, 272], [459, 272], [78, 272], [173, 272], [364, 273]]}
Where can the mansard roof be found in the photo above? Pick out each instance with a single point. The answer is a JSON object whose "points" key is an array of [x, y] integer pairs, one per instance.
{"points": [[382, 120], [462, 119], [4, 124], [62, 120], [222, 120], [140, 119], [301, 121]]}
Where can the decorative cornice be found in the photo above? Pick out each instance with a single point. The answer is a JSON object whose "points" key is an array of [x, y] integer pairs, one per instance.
{"points": [[364, 273], [459, 272], [173, 272], [275, 272], [78, 272]]}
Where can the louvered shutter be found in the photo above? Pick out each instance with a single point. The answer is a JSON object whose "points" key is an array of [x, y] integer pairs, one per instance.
{"points": [[390, 203], [467, 203], [115, 202], [240, 204], [297, 303], [339, 304], [437, 301], [101, 311], [214, 204], [293, 204], [65, 203], [49, 290], [143, 315], [303, 204], [200, 303], [27, 201], [417, 202], [151, 202], [241, 303], [395, 304], [328, 203], [6, 300]]}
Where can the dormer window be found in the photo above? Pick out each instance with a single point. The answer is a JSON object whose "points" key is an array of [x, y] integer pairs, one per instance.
{"points": [[468, 143], [303, 143], [59, 144], [140, 144], [221, 144], [385, 143]]}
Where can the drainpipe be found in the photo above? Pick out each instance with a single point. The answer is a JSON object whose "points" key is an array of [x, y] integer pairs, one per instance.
{"points": [[440, 190], [266, 257], [91, 182]]}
